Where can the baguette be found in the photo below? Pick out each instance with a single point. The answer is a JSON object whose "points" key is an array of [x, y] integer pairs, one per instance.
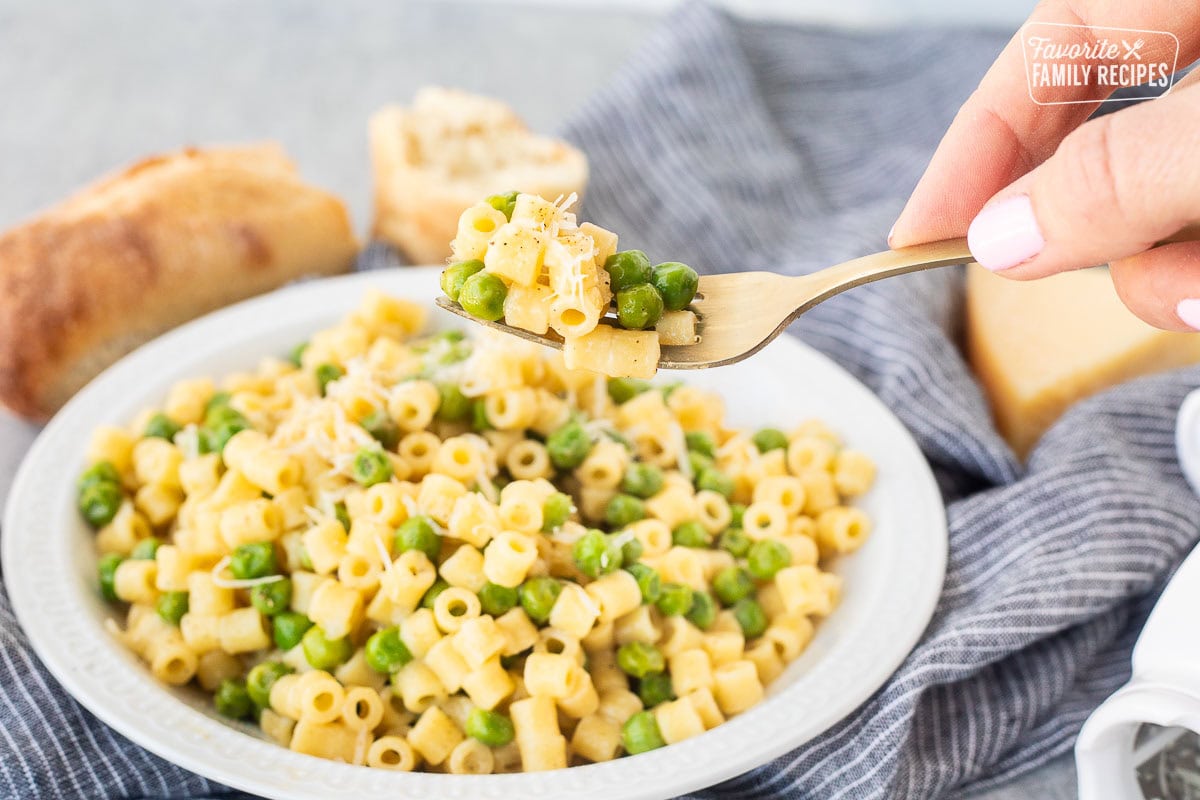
{"points": [[448, 151], [137, 253]]}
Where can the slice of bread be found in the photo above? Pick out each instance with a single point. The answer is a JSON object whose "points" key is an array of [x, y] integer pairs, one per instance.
{"points": [[448, 151], [143, 250]]}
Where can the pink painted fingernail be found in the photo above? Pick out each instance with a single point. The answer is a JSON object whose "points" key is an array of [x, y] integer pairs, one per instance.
{"points": [[1005, 234], [1188, 310]]}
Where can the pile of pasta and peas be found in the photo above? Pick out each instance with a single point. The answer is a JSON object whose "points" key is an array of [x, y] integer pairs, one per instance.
{"points": [[423, 552], [523, 259]]}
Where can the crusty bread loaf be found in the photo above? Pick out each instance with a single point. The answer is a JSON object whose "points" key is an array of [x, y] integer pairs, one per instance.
{"points": [[447, 152], [141, 251]]}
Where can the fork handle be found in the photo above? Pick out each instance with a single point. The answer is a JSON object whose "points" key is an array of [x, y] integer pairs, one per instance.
{"points": [[889, 263], [902, 260]]}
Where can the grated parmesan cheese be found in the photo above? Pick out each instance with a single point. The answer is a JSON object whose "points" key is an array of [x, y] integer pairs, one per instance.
{"points": [[238, 583], [384, 555], [682, 461]]}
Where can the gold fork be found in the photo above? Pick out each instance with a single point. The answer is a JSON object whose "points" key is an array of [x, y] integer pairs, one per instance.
{"points": [[740, 313]]}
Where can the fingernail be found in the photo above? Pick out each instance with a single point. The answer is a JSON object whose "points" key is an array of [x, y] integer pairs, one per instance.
{"points": [[891, 232], [1005, 234], [1188, 310]]}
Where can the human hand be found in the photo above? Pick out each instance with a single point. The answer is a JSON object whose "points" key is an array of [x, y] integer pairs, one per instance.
{"points": [[1040, 189]]}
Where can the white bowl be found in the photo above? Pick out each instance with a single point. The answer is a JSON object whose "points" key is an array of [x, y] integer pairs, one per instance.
{"points": [[891, 584]]}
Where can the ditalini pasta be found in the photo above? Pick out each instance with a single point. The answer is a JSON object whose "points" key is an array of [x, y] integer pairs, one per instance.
{"points": [[415, 552], [522, 258]]}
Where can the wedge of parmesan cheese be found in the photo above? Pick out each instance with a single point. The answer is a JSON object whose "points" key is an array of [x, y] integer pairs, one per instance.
{"points": [[1040, 346]]}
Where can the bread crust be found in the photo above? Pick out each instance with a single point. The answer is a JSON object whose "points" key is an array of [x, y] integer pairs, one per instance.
{"points": [[137, 253], [419, 195]]}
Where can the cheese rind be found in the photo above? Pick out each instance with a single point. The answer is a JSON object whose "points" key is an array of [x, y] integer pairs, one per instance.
{"points": [[1038, 347]]}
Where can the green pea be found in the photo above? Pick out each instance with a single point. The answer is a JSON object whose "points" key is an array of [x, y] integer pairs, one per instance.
{"points": [[161, 426], [327, 374], [418, 533], [490, 727], [495, 599], [698, 462], [324, 653], [623, 509], [655, 688], [342, 515], [504, 203], [442, 349], [146, 549], [622, 390], [675, 600], [106, 569], [642, 480], [691, 534], [296, 356], [677, 283], [737, 513], [639, 307], [100, 472], [648, 580], [382, 428], [631, 551], [701, 442], [454, 406], [639, 659], [769, 439], [714, 480], [99, 502], [482, 296], [254, 560], [385, 652], [171, 606], [555, 511], [750, 616], [627, 268], [479, 417], [288, 629], [260, 680], [735, 542], [538, 595], [732, 584], [595, 554], [272, 598], [431, 594], [371, 466], [703, 612], [569, 446], [767, 557], [232, 699], [221, 423], [456, 274], [640, 733], [219, 400]]}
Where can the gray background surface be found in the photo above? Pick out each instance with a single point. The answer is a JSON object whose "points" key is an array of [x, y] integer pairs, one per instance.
{"points": [[88, 87]]}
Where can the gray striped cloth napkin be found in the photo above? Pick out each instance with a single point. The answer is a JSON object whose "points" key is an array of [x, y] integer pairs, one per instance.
{"points": [[733, 145]]}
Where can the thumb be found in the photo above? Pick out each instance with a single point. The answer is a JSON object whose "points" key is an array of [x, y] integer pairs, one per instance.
{"points": [[1114, 187]]}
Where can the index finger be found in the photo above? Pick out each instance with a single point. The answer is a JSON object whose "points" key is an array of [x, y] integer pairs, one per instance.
{"points": [[1000, 134]]}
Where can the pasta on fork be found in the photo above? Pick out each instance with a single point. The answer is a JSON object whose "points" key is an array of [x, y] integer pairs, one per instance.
{"points": [[520, 258]]}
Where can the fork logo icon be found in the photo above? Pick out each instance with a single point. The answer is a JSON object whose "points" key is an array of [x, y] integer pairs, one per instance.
{"points": [[1133, 50]]}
